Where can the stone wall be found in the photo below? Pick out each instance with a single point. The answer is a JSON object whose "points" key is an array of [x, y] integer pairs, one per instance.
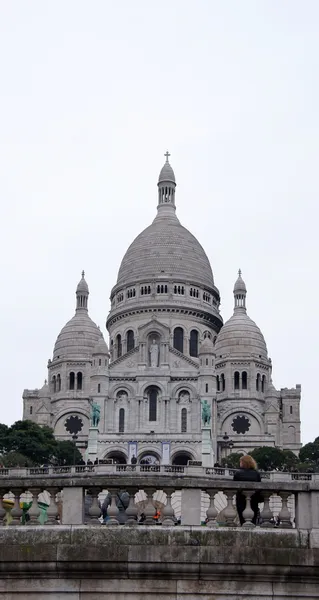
{"points": [[144, 563]]}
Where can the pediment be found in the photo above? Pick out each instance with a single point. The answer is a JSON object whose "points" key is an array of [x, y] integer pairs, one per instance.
{"points": [[178, 360], [43, 409], [153, 325]]}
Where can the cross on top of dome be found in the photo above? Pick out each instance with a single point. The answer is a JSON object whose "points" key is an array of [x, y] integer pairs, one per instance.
{"points": [[167, 154]]}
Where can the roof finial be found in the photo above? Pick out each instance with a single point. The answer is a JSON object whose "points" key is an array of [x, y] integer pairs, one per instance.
{"points": [[239, 272], [167, 154], [83, 274]]}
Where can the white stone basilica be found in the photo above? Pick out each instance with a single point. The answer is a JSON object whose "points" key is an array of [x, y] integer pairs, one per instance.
{"points": [[169, 351]]}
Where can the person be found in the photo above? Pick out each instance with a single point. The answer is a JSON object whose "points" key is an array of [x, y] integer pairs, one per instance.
{"points": [[247, 472], [133, 460]]}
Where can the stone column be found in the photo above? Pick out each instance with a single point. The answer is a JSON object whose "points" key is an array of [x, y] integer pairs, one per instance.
{"points": [[73, 506], [191, 507]]}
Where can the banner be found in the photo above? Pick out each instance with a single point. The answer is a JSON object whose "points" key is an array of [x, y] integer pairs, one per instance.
{"points": [[132, 451], [166, 447]]}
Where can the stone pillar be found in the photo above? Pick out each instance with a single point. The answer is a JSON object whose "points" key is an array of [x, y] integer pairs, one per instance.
{"points": [[191, 507], [73, 506]]}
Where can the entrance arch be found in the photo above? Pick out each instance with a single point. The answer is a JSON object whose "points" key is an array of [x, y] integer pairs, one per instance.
{"points": [[181, 458], [118, 457]]}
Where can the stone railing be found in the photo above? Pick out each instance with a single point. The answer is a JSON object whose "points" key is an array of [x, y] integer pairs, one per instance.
{"points": [[194, 468], [137, 498]]}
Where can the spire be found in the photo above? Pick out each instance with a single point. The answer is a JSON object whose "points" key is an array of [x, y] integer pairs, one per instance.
{"points": [[166, 188], [82, 294], [240, 294]]}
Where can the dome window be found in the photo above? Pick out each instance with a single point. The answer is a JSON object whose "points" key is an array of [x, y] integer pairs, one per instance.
{"points": [[207, 334], [194, 292], [79, 380], [178, 340], [71, 380], [162, 289], [145, 290], [218, 383], [206, 297], [222, 382], [179, 289], [184, 420], [54, 384], [258, 382], [236, 380], [121, 420], [131, 293], [193, 343], [120, 297], [244, 380], [118, 346], [98, 388], [263, 380], [58, 382], [130, 342]]}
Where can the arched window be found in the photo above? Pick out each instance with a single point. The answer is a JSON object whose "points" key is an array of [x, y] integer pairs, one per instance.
{"points": [[291, 410], [118, 346], [79, 380], [206, 388], [206, 362], [218, 383], [121, 420], [130, 343], [263, 381], [152, 399], [54, 383], [100, 362], [184, 420], [193, 343], [31, 409], [178, 341], [258, 382], [244, 380], [58, 382], [222, 382], [71, 380], [98, 388], [236, 380]]}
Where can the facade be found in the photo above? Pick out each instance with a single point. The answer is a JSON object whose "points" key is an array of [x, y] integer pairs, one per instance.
{"points": [[169, 350]]}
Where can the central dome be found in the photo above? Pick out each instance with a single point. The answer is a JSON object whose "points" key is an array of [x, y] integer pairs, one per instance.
{"points": [[166, 249]]}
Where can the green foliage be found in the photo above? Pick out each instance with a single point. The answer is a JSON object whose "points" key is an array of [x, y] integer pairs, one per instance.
{"points": [[67, 453], [232, 460], [270, 459], [15, 459], [310, 452], [27, 444]]}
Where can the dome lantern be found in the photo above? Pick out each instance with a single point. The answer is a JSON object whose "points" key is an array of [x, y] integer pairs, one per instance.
{"points": [[166, 187], [240, 292], [82, 294]]}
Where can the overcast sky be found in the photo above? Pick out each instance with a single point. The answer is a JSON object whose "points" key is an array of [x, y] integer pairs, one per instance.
{"points": [[91, 96]]}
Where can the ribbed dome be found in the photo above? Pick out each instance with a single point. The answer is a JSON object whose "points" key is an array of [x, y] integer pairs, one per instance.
{"points": [[101, 347], [78, 338], [240, 285], [165, 249], [82, 285], [44, 392], [207, 347], [240, 336]]}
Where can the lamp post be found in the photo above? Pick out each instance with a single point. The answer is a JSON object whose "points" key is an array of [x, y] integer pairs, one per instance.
{"points": [[226, 444], [74, 438]]}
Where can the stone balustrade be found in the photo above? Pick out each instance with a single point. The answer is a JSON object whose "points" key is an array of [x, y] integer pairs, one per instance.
{"points": [[76, 500]]}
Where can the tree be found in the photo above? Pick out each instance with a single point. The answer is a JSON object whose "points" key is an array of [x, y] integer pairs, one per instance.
{"points": [[310, 452], [232, 460], [67, 453], [270, 459], [15, 459], [32, 441]]}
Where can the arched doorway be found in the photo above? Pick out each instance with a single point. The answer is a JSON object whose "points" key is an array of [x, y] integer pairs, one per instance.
{"points": [[118, 457], [149, 458], [181, 458]]}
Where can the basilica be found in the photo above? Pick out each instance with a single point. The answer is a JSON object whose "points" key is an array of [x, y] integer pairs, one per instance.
{"points": [[168, 352]]}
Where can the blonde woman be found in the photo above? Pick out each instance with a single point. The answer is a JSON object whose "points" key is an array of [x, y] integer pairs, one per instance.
{"points": [[247, 472]]}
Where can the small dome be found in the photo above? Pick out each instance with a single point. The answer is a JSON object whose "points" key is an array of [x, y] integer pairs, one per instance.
{"points": [[240, 336], [82, 285], [207, 347], [78, 338], [167, 173], [239, 284], [271, 391], [101, 347]]}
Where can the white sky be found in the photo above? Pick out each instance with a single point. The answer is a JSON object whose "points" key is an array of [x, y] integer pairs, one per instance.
{"points": [[91, 96]]}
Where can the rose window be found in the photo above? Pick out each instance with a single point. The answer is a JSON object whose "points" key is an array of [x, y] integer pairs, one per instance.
{"points": [[73, 424], [241, 424]]}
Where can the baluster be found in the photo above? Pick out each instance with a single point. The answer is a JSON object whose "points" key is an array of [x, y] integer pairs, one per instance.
{"points": [[266, 514], [52, 511], [132, 511], [16, 512], [34, 511], [2, 511], [149, 510], [230, 512], [284, 515], [95, 510], [112, 510], [248, 513], [168, 511], [211, 512]]}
